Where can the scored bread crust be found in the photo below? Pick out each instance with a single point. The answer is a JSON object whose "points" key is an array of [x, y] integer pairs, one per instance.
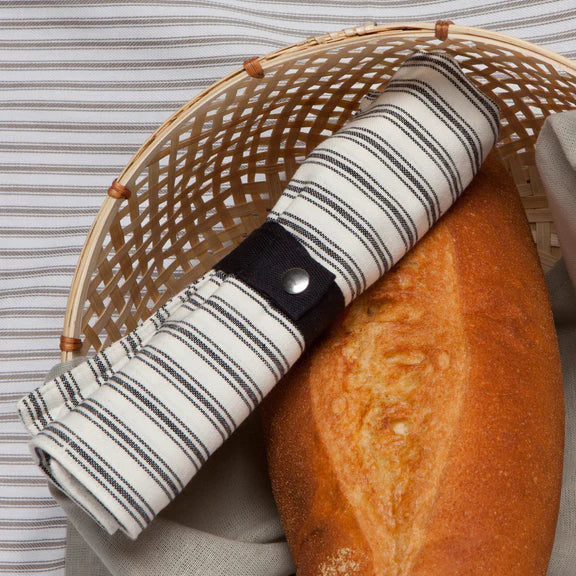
{"points": [[424, 434]]}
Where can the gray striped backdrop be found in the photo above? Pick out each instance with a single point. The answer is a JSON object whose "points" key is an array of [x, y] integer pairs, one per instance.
{"points": [[82, 84]]}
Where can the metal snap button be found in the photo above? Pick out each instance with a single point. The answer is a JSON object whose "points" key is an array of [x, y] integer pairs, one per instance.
{"points": [[295, 280]]}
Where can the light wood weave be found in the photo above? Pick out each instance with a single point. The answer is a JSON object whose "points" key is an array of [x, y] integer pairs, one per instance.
{"points": [[208, 176]]}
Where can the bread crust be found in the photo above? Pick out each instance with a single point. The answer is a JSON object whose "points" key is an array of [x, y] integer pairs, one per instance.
{"points": [[424, 434]]}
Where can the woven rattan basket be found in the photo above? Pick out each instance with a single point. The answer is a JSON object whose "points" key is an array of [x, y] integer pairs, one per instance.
{"points": [[208, 176]]}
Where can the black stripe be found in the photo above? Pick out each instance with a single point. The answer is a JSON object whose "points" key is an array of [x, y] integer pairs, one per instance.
{"points": [[74, 394], [94, 368], [444, 112], [29, 415], [347, 217], [193, 390], [212, 354], [414, 130], [44, 460], [76, 446], [372, 190], [64, 396], [103, 365], [244, 333], [93, 469], [277, 356], [79, 393], [323, 254], [454, 74], [330, 247], [150, 405], [274, 313], [400, 166], [113, 427], [347, 211], [110, 429], [39, 414]]}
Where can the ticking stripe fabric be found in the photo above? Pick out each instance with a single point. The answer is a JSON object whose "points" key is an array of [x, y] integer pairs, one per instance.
{"points": [[123, 433], [82, 85]]}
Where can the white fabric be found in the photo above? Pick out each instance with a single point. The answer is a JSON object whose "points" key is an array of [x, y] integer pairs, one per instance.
{"points": [[394, 169], [124, 433], [145, 425], [82, 85]]}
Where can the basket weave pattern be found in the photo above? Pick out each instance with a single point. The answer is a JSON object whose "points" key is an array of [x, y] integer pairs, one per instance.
{"points": [[211, 173]]}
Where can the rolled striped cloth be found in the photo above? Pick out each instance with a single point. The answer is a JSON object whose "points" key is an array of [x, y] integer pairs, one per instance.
{"points": [[123, 433]]}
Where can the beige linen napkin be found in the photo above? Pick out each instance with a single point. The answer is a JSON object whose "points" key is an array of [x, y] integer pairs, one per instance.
{"points": [[556, 162], [563, 296], [224, 522]]}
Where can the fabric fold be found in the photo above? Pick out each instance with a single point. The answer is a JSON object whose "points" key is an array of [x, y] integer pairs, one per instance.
{"points": [[224, 522], [556, 163], [123, 433]]}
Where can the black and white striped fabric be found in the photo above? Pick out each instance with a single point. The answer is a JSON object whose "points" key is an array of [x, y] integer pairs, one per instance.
{"points": [[124, 432]]}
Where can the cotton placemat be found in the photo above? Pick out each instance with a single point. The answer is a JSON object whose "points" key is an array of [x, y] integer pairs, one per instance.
{"points": [[123, 433], [72, 83]]}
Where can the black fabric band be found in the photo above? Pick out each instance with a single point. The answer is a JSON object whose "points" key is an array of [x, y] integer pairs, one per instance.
{"points": [[263, 260]]}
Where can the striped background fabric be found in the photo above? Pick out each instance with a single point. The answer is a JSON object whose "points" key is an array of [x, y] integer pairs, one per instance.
{"points": [[82, 84], [123, 433]]}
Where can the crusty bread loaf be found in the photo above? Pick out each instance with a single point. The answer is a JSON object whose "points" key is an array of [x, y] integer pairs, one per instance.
{"points": [[423, 436]]}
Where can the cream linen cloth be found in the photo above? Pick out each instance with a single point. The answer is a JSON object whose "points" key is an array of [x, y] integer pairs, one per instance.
{"points": [[563, 296], [556, 162], [123, 433]]}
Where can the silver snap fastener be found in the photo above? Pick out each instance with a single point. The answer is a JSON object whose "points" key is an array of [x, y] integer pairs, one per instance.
{"points": [[295, 280]]}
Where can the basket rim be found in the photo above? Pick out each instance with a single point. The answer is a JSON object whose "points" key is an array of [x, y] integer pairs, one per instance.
{"points": [[315, 44], [308, 47]]}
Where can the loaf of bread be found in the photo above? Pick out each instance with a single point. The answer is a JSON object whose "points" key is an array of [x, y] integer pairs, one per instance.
{"points": [[423, 436]]}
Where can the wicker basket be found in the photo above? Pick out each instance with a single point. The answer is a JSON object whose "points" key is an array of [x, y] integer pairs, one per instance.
{"points": [[208, 176]]}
